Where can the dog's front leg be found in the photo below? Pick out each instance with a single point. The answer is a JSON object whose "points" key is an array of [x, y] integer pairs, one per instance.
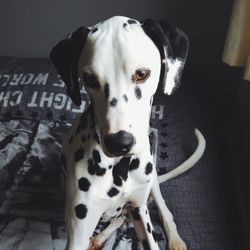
{"points": [[98, 241], [174, 239], [143, 227], [82, 214]]}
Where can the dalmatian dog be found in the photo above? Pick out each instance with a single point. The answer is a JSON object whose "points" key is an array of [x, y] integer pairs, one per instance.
{"points": [[110, 167]]}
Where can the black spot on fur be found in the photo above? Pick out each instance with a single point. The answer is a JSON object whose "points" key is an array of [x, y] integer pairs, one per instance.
{"points": [[149, 168], [118, 209], [96, 156], [134, 164], [132, 21], [106, 90], [138, 93], [120, 171], [81, 211], [83, 124], [91, 81], [125, 98], [113, 192], [79, 154], [149, 228], [124, 25], [95, 169], [94, 30], [113, 102], [110, 166], [87, 118], [135, 214], [145, 244], [84, 184]]}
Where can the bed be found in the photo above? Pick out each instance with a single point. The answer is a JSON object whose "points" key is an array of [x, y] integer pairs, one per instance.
{"points": [[35, 115]]}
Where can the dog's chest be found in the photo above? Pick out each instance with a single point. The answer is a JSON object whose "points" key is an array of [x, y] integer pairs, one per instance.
{"points": [[110, 178], [119, 178]]}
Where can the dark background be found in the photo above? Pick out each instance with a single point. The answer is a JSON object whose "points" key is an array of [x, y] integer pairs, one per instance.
{"points": [[30, 28]]}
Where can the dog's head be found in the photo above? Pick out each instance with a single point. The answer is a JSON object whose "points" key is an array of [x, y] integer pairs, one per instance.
{"points": [[121, 62]]}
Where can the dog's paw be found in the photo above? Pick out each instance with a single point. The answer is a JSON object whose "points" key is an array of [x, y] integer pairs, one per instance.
{"points": [[96, 243], [177, 244]]}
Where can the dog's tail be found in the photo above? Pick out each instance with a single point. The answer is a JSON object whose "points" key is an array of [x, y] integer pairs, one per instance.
{"points": [[190, 162]]}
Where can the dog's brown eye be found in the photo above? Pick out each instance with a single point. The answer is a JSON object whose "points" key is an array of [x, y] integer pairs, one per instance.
{"points": [[91, 81], [141, 75]]}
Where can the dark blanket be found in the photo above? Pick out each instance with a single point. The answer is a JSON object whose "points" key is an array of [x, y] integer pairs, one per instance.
{"points": [[35, 115]]}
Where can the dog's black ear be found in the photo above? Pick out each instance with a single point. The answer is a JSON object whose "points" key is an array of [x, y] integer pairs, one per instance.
{"points": [[65, 56], [172, 44]]}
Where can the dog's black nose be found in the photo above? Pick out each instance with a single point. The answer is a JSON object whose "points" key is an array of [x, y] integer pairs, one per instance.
{"points": [[119, 144]]}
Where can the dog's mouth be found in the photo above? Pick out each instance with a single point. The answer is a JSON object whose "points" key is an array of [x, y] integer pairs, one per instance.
{"points": [[133, 151], [108, 154]]}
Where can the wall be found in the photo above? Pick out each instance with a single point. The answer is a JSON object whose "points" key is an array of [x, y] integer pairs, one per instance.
{"points": [[32, 27]]}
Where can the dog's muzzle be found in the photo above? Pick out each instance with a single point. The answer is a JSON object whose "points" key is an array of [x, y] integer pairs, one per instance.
{"points": [[119, 144]]}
